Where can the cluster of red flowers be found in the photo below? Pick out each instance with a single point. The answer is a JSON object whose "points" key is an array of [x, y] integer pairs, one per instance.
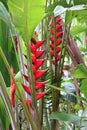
{"points": [[58, 40], [37, 62]]}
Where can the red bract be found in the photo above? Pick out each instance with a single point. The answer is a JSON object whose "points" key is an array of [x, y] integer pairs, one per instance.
{"points": [[39, 63], [33, 59], [12, 90], [39, 53], [33, 49], [38, 96], [26, 88], [39, 43], [39, 73], [38, 85]]}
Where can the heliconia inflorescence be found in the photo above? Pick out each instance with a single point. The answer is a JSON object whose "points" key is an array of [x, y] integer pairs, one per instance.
{"points": [[57, 39], [37, 62]]}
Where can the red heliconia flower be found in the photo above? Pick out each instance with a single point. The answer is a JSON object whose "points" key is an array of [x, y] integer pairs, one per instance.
{"points": [[35, 47], [12, 90], [59, 34]]}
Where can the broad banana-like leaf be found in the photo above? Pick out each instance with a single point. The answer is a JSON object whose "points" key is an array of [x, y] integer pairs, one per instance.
{"points": [[26, 15], [5, 41]]}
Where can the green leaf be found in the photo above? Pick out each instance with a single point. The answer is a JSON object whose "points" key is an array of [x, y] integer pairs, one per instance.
{"points": [[80, 71], [6, 42], [66, 117], [63, 90], [4, 15], [3, 116], [68, 17], [78, 29], [81, 15], [26, 14], [83, 87], [79, 2]]}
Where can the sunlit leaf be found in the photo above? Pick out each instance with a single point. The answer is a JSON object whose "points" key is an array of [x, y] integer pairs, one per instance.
{"points": [[68, 17], [83, 87], [26, 14], [79, 2], [78, 29], [66, 117], [80, 71]]}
